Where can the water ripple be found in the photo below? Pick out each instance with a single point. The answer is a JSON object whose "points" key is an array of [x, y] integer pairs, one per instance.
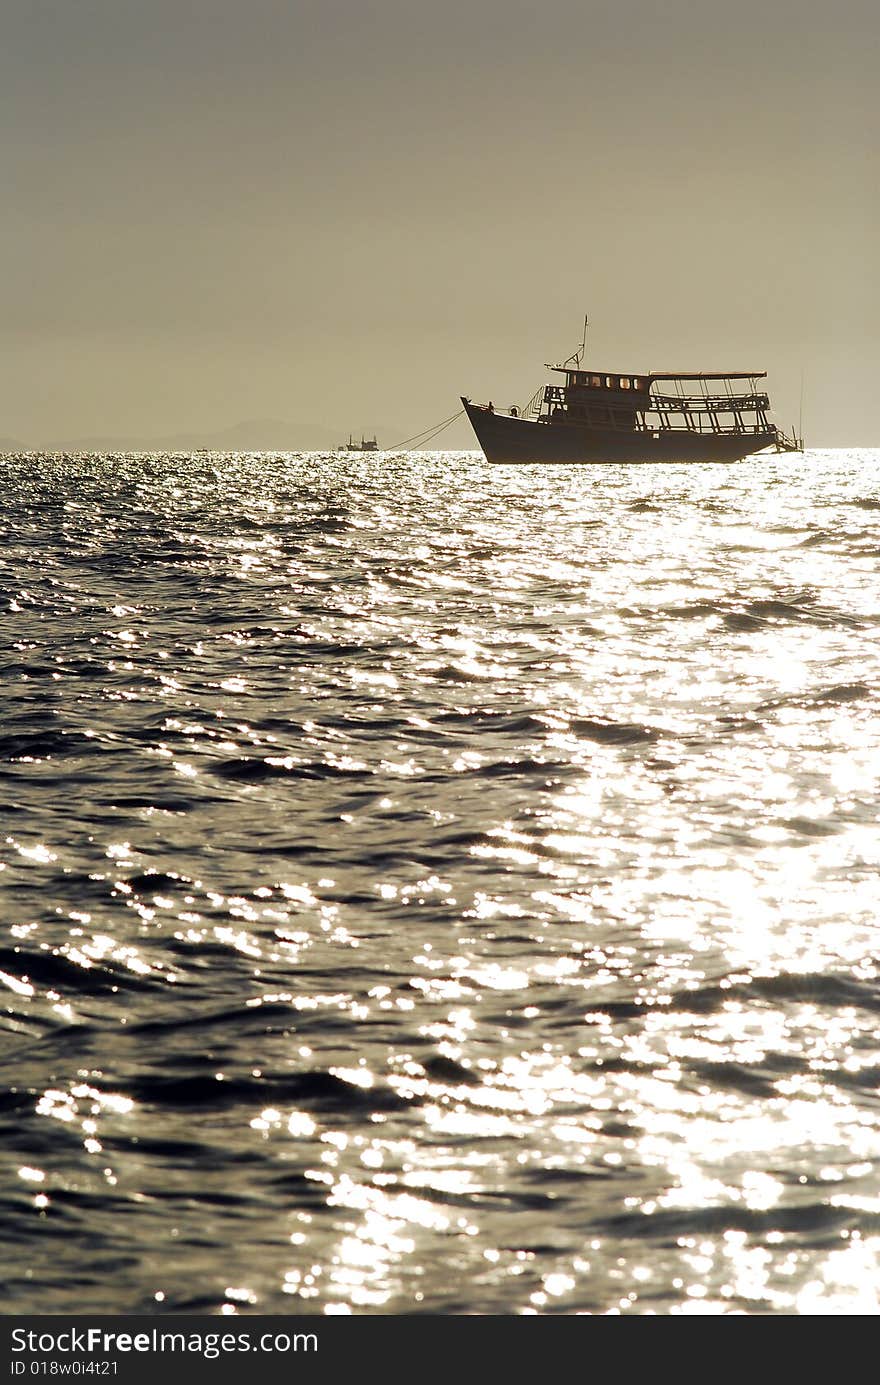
{"points": [[437, 888]]}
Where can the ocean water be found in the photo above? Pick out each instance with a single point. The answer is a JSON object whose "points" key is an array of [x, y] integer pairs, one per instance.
{"points": [[435, 888]]}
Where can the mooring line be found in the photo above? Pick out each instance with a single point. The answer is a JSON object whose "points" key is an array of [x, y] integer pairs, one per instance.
{"points": [[426, 434]]}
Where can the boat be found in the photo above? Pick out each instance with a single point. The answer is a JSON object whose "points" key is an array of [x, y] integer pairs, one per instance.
{"points": [[365, 445], [633, 416]]}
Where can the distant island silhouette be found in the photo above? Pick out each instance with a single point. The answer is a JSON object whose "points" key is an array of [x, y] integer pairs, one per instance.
{"points": [[251, 435]]}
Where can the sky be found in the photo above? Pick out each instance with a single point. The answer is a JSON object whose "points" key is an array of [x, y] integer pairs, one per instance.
{"points": [[343, 214]]}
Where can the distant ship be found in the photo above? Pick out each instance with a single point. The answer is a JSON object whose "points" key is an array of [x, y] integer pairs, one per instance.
{"points": [[365, 445], [613, 416]]}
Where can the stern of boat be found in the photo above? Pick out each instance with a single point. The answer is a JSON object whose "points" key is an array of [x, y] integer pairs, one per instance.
{"points": [[786, 443]]}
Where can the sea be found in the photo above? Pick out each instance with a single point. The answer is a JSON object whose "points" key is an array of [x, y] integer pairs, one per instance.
{"points": [[436, 888]]}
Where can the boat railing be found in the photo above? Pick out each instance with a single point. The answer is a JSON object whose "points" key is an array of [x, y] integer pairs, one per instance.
{"points": [[694, 423], [557, 395], [710, 403], [533, 408]]}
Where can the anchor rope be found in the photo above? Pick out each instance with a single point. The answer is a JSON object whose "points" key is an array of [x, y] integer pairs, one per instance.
{"points": [[426, 434]]}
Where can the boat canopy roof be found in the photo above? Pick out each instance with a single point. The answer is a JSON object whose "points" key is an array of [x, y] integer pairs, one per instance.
{"points": [[662, 374], [707, 375]]}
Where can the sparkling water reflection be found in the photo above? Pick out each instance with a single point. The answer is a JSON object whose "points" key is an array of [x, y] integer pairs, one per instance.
{"points": [[435, 888]]}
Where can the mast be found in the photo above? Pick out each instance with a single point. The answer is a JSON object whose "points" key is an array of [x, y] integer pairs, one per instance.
{"points": [[578, 355]]}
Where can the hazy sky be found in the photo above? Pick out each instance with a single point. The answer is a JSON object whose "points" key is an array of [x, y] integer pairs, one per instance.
{"points": [[345, 213]]}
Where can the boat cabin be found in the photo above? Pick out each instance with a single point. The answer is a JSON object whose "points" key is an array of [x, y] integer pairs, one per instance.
{"points": [[659, 401]]}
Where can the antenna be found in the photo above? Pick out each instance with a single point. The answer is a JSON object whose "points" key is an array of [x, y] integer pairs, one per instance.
{"points": [[801, 412], [578, 355]]}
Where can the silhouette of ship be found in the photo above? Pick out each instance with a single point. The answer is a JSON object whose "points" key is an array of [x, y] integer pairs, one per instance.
{"points": [[627, 416], [365, 445]]}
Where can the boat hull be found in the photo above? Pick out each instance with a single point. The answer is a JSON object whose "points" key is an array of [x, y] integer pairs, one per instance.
{"points": [[505, 439]]}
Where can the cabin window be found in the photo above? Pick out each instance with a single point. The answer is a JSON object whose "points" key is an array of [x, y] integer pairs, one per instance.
{"points": [[624, 382], [637, 384], [609, 382], [596, 380]]}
